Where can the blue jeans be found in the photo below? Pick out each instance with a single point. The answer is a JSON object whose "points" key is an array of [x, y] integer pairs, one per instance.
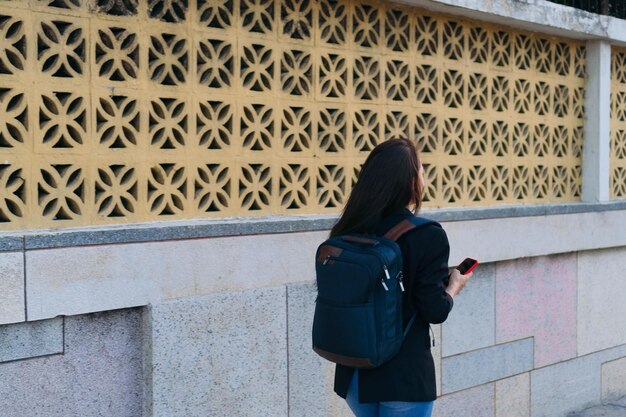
{"points": [[387, 408]]}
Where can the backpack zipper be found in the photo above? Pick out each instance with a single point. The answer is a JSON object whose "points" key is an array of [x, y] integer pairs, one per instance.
{"points": [[335, 258], [432, 334], [399, 278], [380, 257]]}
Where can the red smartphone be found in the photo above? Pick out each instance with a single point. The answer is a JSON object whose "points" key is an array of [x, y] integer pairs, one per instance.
{"points": [[467, 266]]}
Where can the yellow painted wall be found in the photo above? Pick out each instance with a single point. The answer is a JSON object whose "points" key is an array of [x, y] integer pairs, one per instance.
{"points": [[618, 123], [118, 112]]}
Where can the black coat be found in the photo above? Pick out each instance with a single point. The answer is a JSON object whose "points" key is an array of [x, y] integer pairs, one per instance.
{"points": [[410, 375]]}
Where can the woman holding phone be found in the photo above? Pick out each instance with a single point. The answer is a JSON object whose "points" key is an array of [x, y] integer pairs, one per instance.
{"points": [[389, 188]]}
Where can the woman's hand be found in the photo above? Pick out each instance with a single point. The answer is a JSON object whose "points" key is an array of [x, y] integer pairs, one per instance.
{"points": [[457, 282]]}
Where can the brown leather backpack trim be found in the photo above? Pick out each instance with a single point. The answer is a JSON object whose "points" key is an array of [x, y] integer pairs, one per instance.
{"points": [[357, 239], [344, 360], [327, 250], [398, 230]]}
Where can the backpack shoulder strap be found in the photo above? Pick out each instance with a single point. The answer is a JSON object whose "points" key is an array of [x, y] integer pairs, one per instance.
{"points": [[408, 224], [394, 234]]}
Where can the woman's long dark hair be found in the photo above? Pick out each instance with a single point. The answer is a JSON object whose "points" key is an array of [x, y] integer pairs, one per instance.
{"points": [[388, 182]]}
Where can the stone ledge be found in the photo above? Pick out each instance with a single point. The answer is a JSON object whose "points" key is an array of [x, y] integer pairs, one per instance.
{"points": [[205, 228], [31, 339], [98, 374], [571, 385], [533, 15], [486, 365], [11, 243]]}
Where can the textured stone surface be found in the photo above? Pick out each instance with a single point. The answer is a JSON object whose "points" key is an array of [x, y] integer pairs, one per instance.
{"points": [[567, 386], [12, 287], [614, 408], [436, 352], [471, 323], [542, 235], [96, 278], [220, 355], [310, 377], [620, 402], [601, 295], [571, 385], [486, 365], [474, 402], [537, 297], [31, 339], [605, 410], [614, 379], [513, 396], [534, 15], [99, 375], [11, 243], [188, 229]]}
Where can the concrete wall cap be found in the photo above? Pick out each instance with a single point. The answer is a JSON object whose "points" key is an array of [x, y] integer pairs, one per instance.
{"points": [[206, 228]]}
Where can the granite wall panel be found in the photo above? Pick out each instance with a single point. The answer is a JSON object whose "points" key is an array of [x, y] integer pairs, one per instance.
{"points": [[100, 373], [537, 297], [601, 295], [222, 354], [471, 323], [12, 302]]}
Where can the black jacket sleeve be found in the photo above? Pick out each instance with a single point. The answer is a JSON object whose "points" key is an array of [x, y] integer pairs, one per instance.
{"points": [[427, 254]]}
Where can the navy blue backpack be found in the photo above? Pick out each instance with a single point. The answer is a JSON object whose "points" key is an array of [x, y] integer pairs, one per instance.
{"points": [[358, 310]]}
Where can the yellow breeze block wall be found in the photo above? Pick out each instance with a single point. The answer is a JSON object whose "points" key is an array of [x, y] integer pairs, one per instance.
{"points": [[618, 123], [126, 111]]}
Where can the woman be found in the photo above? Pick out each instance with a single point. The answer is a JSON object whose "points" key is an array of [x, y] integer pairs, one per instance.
{"points": [[391, 181]]}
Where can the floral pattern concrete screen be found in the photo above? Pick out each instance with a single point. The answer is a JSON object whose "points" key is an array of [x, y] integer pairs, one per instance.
{"points": [[118, 111], [618, 123]]}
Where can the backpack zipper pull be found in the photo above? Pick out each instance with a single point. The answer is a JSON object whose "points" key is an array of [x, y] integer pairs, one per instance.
{"points": [[400, 276], [384, 285], [386, 271], [432, 334], [326, 260]]}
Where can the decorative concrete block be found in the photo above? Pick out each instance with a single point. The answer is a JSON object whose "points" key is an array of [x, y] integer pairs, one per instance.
{"points": [[31, 339], [614, 379], [220, 355], [97, 278], [537, 297], [471, 323], [601, 295], [486, 365], [12, 287], [99, 375], [311, 378], [513, 396], [474, 402]]}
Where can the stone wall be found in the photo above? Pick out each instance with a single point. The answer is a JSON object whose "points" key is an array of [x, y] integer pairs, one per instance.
{"points": [[534, 336], [76, 366], [212, 317]]}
